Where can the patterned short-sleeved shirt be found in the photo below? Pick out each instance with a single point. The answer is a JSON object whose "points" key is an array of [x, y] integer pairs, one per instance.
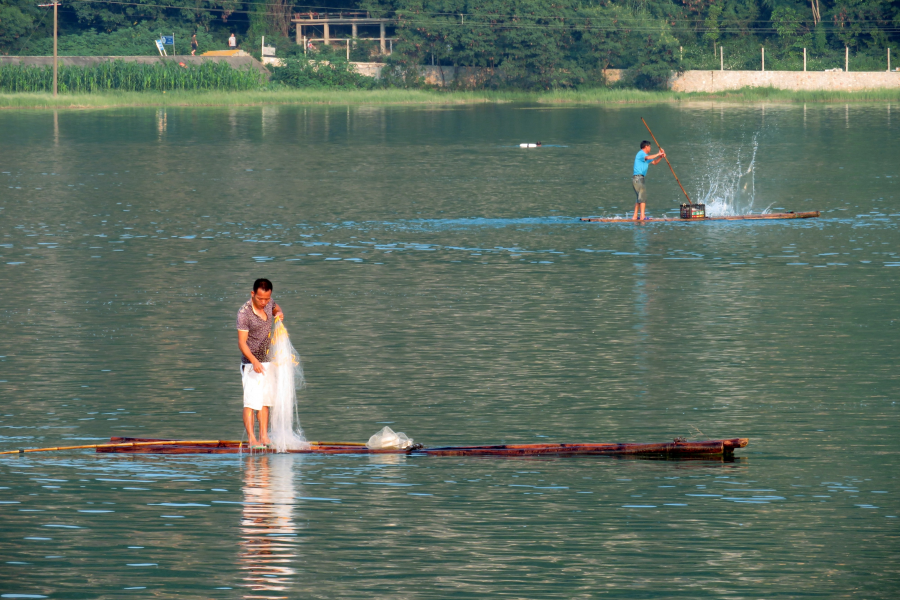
{"points": [[258, 338]]}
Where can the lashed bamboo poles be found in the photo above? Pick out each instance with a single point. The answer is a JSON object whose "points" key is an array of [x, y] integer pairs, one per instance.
{"points": [[160, 443], [123, 445]]}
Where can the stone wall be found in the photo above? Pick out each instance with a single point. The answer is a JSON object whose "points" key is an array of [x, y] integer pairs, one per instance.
{"points": [[237, 62], [689, 81], [464, 76], [718, 81], [369, 69], [442, 76]]}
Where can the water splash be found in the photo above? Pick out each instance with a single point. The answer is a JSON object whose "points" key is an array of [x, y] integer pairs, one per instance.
{"points": [[284, 422], [728, 188]]}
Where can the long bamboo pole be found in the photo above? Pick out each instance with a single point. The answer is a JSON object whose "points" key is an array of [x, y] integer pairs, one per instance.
{"points": [[668, 163], [123, 445], [338, 443], [159, 443]]}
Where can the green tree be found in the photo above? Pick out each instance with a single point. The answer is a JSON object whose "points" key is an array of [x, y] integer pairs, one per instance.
{"points": [[18, 19], [711, 24], [110, 16], [540, 44], [786, 22], [739, 16], [324, 69], [863, 21]]}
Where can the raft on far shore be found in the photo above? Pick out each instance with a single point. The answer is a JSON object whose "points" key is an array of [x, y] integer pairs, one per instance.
{"points": [[787, 215], [675, 449]]}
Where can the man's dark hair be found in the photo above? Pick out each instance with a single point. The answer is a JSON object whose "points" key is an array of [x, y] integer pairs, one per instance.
{"points": [[262, 284], [644, 144]]}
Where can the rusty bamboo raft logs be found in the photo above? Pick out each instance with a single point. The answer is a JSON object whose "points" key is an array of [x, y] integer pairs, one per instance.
{"points": [[787, 215], [674, 449]]}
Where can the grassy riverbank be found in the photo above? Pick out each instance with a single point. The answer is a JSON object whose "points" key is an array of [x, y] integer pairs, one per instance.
{"points": [[425, 97]]}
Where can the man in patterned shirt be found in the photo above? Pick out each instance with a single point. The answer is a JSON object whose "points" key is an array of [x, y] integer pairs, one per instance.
{"points": [[254, 325]]}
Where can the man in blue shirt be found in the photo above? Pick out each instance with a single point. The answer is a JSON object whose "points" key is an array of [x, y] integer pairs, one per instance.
{"points": [[642, 162]]}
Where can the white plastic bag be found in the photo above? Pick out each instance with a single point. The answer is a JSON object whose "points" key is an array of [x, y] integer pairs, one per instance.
{"points": [[387, 439]]}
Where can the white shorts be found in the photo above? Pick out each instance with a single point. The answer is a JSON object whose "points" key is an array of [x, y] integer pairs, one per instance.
{"points": [[259, 389]]}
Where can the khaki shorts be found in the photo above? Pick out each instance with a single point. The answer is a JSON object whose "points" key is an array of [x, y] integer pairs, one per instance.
{"points": [[259, 388], [637, 182]]}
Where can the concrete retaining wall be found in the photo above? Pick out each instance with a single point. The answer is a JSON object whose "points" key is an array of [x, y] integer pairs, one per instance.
{"points": [[237, 62], [465, 76], [369, 69], [689, 81], [718, 81]]}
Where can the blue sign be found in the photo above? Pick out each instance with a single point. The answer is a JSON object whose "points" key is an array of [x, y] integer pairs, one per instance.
{"points": [[168, 39]]}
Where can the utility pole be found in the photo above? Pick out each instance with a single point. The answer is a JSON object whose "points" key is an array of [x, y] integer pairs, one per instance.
{"points": [[55, 35], [55, 6]]}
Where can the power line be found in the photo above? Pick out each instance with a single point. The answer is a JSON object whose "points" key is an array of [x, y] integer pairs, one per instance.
{"points": [[497, 22], [673, 21], [36, 27]]}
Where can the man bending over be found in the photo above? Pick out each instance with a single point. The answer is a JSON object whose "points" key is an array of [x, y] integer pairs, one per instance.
{"points": [[254, 325]]}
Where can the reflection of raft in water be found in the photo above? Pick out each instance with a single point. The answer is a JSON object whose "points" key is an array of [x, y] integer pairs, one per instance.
{"points": [[787, 215], [675, 449]]}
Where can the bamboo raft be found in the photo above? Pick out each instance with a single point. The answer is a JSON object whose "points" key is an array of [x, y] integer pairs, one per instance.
{"points": [[787, 215], [675, 449]]}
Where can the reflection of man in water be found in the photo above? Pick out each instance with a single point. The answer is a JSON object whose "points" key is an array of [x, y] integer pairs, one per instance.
{"points": [[642, 162], [254, 325], [268, 542]]}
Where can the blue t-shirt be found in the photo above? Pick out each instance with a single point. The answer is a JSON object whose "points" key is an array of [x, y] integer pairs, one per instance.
{"points": [[641, 163]]}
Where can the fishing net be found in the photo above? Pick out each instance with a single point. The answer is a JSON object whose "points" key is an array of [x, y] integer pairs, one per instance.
{"points": [[284, 422], [387, 439]]}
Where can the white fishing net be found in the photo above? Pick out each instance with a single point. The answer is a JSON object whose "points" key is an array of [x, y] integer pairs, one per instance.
{"points": [[284, 423], [387, 439]]}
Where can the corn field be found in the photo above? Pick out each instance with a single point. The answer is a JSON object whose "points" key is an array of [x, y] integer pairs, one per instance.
{"points": [[130, 77]]}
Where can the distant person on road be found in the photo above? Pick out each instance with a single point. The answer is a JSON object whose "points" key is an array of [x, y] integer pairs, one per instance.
{"points": [[194, 44], [232, 42], [642, 162]]}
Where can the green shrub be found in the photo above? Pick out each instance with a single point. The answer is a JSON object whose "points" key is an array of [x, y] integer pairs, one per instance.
{"points": [[321, 70]]}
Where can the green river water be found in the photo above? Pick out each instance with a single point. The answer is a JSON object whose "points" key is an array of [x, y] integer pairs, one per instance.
{"points": [[435, 278]]}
